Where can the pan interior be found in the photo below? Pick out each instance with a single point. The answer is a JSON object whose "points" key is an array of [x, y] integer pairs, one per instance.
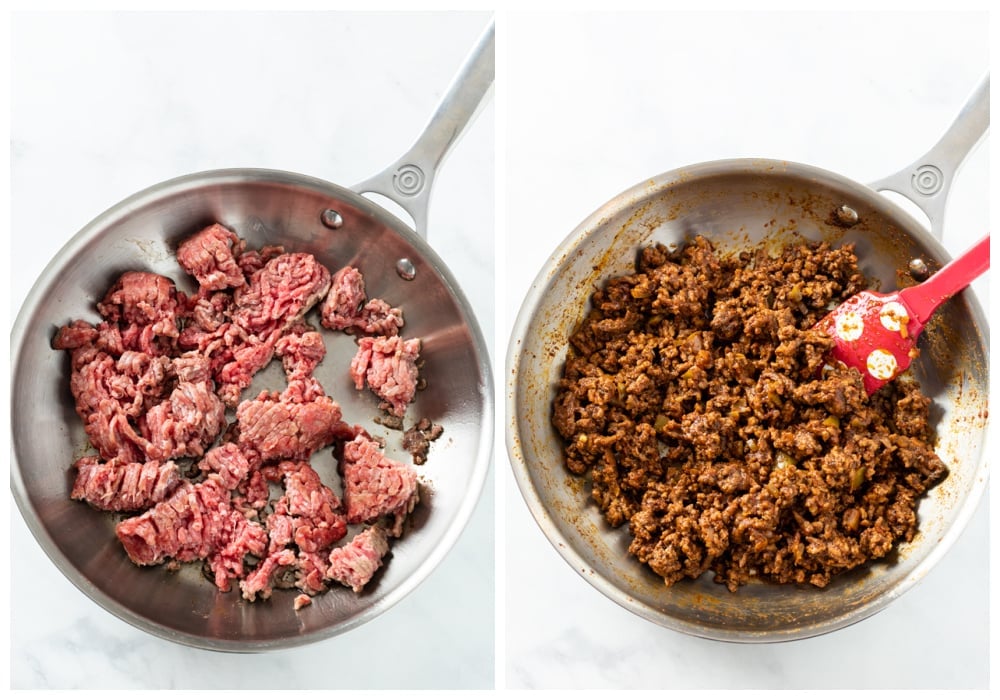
{"points": [[265, 208], [738, 204]]}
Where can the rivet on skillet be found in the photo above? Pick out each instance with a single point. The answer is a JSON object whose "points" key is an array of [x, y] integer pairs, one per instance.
{"points": [[919, 270], [405, 269], [846, 215], [332, 219]]}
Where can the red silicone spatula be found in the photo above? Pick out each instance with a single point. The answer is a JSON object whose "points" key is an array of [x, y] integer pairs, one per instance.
{"points": [[877, 333]]}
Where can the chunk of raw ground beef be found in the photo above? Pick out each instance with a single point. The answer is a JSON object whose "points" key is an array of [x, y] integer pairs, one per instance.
{"points": [[233, 354], [346, 307], [210, 257], [378, 318], [389, 367], [105, 400], [262, 311], [315, 511], [310, 571], [113, 436], [301, 349], [79, 334], [280, 293], [195, 522], [252, 494], [355, 563], [132, 383], [276, 428], [259, 583], [184, 425], [252, 260], [241, 356], [144, 300], [203, 313], [229, 462], [376, 486], [73, 335], [127, 414], [307, 515], [342, 306], [192, 367], [123, 486]]}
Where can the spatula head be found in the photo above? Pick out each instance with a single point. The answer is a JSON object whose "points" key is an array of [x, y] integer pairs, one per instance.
{"points": [[874, 333]]}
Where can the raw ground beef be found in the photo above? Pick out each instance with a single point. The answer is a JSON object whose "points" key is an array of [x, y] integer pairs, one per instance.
{"points": [[228, 462], [376, 486], [260, 581], [280, 293], [274, 428], [210, 257], [355, 563], [342, 308], [301, 349], [152, 382], [184, 424], [697, 398], [196, 522], [315, 513], [388, 365], [237, 333], [124, 486], [348, 309], [142, 301]]}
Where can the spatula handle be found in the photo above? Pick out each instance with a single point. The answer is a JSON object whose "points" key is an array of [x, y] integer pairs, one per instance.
{"points": [[927, 296]]}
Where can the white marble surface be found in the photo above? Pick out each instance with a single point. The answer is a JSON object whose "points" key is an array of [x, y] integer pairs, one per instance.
{"points": [[595, 103], [103, 105]]}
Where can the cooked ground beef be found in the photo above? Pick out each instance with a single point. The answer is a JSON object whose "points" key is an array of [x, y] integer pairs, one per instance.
{"points": [[697, 398], [152, 382], [418, 438]]}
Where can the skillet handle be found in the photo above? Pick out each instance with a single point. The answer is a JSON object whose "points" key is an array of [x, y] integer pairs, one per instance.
{"points": [[927, 181], [408, 181]]}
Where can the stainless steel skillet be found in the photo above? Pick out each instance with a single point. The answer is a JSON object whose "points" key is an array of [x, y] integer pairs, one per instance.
{"points": [[738, 203], [302, 213]]}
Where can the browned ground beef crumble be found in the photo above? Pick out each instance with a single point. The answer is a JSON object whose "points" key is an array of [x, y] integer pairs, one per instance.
{"points": [[697, 397]]}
